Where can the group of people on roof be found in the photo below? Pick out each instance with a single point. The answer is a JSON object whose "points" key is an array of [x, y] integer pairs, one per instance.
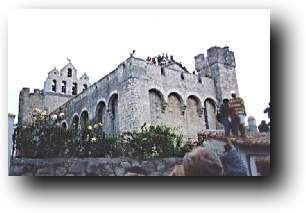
{"points": [[163, 59]]}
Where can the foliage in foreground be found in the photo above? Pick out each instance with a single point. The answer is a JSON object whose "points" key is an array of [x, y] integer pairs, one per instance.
{"points": [[45, 138]]}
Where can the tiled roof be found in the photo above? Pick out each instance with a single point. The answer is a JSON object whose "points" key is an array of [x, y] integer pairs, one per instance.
{"points": [[251, 139]]}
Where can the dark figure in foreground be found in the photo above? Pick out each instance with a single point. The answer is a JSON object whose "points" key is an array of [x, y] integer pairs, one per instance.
{"points": [[223, 115], [232, 163], [234, 122], [263, 127], [202, 162]]}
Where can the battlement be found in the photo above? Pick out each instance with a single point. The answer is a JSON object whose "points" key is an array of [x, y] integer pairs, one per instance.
{"points": [[38, 99], [221, 55], [25, 91]]}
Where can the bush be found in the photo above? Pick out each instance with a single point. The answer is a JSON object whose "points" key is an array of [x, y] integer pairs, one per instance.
{"points": [[45, 138], [151, 142]]}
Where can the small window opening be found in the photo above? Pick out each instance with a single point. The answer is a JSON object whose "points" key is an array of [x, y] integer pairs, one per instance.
{"points": [[69, 72], [74, 89], [64, 125], [162, 71], [182, 76], [84, 87], [53, 87], [64, 86]]}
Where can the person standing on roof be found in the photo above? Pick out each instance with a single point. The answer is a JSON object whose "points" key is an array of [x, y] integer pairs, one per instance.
{"points": [[268, 110], [263, 127], [223, 115], [237, 104]]}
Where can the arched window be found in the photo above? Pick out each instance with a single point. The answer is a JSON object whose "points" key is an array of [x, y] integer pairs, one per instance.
{"points": [[100, 112], [69, 72], [194, 121], [162, 71], [53, 87], [113, 107], [84, 119], [74, 89], [156, 100], [75, 122], [175, 111], [175, 103], [64, 124], [209, 113]]}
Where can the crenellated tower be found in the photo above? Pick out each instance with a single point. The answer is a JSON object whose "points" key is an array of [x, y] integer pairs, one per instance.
{"points": [[220, 66]]}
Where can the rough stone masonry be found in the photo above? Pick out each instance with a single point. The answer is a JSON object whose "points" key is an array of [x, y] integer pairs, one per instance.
{"points": [[139, 92]]}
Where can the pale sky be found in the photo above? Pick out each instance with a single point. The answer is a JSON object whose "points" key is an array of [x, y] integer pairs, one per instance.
{"points": [[97, 41]]}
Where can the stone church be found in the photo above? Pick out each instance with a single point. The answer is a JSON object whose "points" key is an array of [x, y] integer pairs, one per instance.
{"points": [[139, 91]]}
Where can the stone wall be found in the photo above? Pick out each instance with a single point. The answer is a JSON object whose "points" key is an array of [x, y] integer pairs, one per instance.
{"points": [[168, 99], [131, 82], [48, 101], [90, 166], [137, 92]]}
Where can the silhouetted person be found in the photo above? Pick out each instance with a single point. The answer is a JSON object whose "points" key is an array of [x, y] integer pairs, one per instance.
{"points": [[268, 110], [132, 53], [263, 127], [159, 58], [223, 115], [153, 61]]}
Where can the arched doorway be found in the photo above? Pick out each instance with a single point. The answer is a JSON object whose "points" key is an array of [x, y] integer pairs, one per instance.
{"points": [[156, 101], [193, 119], [64, 125], [75, 122], [210, 114], [114, 117], [84, 119], [100, 112], [174, 115]]}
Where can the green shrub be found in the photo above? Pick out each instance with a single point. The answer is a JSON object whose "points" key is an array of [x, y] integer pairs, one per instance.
{"points": [[151, 142], [45, 138]]}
